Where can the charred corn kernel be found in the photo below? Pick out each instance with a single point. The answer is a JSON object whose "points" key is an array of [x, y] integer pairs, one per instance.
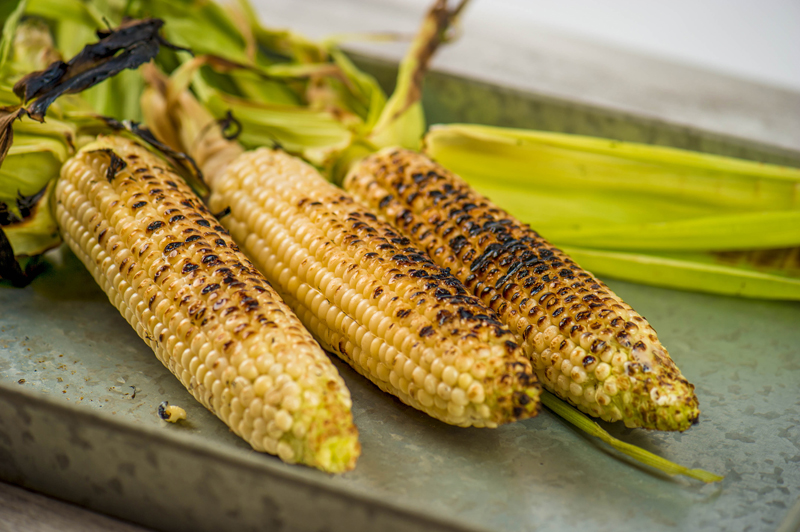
{"points": [[171, 413], [180, 281], [370, 297], [578, 333]]}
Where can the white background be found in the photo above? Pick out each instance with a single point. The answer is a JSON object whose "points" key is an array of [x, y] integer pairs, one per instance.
{"points": [[757, 40]]}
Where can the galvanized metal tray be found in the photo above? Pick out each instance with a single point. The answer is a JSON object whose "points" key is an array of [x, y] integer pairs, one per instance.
{"points": [[79, 393]]}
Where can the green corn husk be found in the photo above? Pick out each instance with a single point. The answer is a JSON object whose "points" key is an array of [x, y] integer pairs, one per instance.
{"points": [[282, 88], [284, 68], [314, 135], [697, 271], [38, 150], [10, 21], [647, 214], [639, 183], [33, 161], [72, 22], [36, 233], [628, 219]]}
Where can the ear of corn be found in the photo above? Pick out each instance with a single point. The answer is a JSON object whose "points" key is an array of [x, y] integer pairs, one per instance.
{"points": [[587, 346], [210, 317], [372, 298]]}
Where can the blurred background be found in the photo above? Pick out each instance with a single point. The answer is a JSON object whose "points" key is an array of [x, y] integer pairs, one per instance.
{"points": [[731, 66], [759, 41]]}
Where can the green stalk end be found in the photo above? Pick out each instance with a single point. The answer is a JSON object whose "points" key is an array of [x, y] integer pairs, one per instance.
{"points": [[584, 423], [402, 121]]}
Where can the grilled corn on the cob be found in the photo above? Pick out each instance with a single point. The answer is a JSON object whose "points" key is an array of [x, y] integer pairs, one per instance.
{"points": [[210, 317], [369, 296], [587, 346]]}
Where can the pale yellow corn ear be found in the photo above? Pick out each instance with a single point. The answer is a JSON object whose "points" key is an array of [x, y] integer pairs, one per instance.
{"points": [[370, 297], [180, 281], [586, 345]]}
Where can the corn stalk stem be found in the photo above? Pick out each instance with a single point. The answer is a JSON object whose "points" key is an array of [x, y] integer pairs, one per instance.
{"points": [[584, 423]]}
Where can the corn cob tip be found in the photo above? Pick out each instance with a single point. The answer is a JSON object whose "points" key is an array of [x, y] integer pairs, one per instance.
{"points": [[516, 390], [662, 399], [331, 443], [585, 344]]}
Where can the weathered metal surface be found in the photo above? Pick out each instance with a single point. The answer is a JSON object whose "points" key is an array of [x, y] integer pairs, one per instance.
{"points": [[24, 510], [74, 429]]}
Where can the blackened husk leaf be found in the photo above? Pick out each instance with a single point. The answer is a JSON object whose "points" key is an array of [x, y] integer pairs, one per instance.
{"points": [[25, 206], [10, 270], [7, 117], [132, 44]]}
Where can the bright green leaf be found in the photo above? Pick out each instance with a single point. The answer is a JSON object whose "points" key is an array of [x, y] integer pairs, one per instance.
{"points": [[568, 163], [689, 271]]}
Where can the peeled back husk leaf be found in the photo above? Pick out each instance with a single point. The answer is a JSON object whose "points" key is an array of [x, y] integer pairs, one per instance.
{"points": [[7, 39], [562, 161], [281, 67], [746, 230], [402, 121], [74, 22], [30, 164], [625, 195], [117, 97], [315, 135], [635, 220], [203, 26], [36, 233], [697, 271]]}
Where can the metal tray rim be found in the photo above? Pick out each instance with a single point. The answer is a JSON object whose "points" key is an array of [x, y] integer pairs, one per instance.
{"points": [[251, 460]]}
